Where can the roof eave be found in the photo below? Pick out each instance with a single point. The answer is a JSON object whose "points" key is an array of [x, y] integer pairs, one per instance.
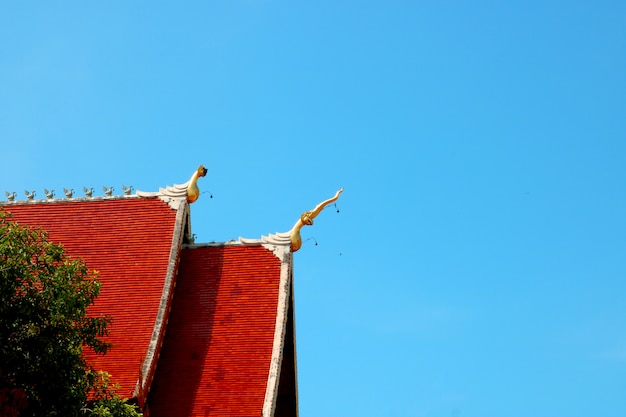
{"points": [[142, 387], [284, 253]]}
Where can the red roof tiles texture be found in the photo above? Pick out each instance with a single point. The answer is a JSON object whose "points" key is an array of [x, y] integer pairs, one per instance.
{"points": [[129, 242], [216, 355]]}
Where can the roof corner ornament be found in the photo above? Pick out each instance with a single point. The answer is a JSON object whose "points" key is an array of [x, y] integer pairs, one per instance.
{"points": [[30, 195], [292, 237], [88, 191], [49, 194], [306, 219], [68, 193], [193, 192], [175, 194], [10, 195]]}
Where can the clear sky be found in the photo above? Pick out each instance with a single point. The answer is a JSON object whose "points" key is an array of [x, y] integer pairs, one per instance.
{"points": [[476, 267]]}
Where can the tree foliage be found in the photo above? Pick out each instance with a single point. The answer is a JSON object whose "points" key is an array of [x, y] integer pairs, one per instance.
{"points": [[106, 402], [44, 326]]}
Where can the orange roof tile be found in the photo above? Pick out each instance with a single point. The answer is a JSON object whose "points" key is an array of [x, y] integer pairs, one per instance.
{"points": [[226, 330], [134, 244]]}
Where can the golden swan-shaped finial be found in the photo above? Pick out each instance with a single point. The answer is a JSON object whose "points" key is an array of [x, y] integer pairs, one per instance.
{"points": [[193, 192], [306, 219], [177, 193]]}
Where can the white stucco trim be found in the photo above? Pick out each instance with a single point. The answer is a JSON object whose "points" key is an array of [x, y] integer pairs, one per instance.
{"points": [[152, 355], [271, 393]]}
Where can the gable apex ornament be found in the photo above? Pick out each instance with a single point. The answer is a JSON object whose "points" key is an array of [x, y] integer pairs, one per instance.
{"points": [[292, 237], [175, 194], [306, 219]]}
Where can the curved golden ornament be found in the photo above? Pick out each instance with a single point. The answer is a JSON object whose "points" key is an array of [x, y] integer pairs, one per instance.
{"points": [[306, 219], [193, 192]]}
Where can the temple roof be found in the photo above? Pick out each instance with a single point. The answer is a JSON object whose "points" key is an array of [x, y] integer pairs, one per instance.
{"points": [[223, 350], [134, 245], [197, 329]]}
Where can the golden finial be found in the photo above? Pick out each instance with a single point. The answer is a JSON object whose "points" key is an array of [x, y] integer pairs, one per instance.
{"points": [[193, 192], [306, 219], [176, 194]]}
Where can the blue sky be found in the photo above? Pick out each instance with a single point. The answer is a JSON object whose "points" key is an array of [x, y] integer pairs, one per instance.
{"points": [[476, 266]]}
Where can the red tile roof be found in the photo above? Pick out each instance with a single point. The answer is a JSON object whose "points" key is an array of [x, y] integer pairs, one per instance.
{"points": [[132, 242], [226, 349], [221, 338]]}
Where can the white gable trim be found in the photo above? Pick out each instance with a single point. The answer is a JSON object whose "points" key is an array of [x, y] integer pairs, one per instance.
{"points": [[271, 393]]}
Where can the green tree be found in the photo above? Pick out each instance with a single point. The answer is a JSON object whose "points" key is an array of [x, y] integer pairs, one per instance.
{"points": [[44, 327], [107, 403]]}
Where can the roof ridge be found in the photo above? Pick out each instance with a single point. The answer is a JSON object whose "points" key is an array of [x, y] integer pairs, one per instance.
{"points": [[67, 199], [173, 195], [69, 194]]}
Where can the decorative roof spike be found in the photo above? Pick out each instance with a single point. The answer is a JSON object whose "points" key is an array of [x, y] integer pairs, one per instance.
{"points": [[127, 190], [174, 194], [292, 237], [108, 191], [193, 192], [49, 194], [88, 191], [10, 196], [30, 195], [68, 193], [306, 219]]}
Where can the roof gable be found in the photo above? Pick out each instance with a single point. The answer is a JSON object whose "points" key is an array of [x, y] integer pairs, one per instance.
{"points": [[134, 244], [223, 349], [228, 347]]}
